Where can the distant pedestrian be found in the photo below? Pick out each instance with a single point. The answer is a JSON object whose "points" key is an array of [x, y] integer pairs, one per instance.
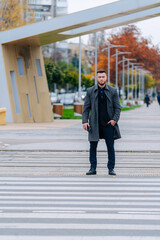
{"points": [[158, 98], [147, 100], [101, 113], [153, 95]]}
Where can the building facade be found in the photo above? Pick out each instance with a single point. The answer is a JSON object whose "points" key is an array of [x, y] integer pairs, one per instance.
{"points": [[45, 10]]}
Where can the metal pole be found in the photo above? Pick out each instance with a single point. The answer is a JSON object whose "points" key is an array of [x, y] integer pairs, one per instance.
{"points": [[143, 86], [95, 58], [123, 81], [139, 84], [128, 82], [135, 83], [117, 69], [109, 46], [132, 81], [79, 89]]}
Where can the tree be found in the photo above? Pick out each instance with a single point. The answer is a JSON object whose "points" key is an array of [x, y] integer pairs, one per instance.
{"points": [[14, 14], [54, 74], [141, 49]]}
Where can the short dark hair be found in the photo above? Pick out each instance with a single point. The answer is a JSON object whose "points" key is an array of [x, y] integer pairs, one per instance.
{"points": [[101, 71]]}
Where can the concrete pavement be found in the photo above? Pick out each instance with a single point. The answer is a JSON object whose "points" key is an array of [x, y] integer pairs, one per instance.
{"points": [[45, 194], [140, 129], [79, 208]]}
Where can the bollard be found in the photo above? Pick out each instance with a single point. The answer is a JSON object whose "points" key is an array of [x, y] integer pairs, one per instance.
{"points": [[57, 110], [78, 109], [2, 116]]}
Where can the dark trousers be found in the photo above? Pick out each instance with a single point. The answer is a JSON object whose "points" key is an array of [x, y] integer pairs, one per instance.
{"points": [[108, 134]]}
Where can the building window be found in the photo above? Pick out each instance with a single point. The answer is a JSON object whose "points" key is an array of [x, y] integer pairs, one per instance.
{"points": [[38, 64], [29, 108], [20, 66], [15, 92], [36, 90]]}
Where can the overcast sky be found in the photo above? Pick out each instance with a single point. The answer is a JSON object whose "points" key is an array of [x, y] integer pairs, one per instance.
{"points": [[150, 28]]}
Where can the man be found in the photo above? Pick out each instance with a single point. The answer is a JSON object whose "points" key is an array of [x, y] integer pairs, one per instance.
{"points": [[147, 100], [101, 113], [158, 98]]}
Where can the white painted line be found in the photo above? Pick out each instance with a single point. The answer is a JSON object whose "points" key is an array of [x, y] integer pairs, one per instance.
{"points": [[82, 179], [79, 183], [6, 187], [97, 216], [117, 209], [19, 237], [73, 226], [90, 203], [145, 213], [82, 198], [81, 193], [59, 211]]}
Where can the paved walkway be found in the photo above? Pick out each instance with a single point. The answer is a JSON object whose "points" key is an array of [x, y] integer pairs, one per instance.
{"points": [[79, 208], [140, 130], [45, 194]]}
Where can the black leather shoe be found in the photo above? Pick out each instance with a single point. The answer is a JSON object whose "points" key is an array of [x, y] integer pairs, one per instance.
{"points": [[112, 172], [92, 171]]}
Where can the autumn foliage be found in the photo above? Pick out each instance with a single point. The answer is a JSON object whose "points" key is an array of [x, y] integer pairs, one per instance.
{"points": [[141, 49], [14, 13]]}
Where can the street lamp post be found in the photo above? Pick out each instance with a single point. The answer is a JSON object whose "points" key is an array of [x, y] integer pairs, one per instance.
{"points": [[79, 88], [123, 81], [109, 55], [132, 80], [134, 65], [140, 83], [117, 54], [128, 64], [128, 81], [135, 82], [96, 56]]}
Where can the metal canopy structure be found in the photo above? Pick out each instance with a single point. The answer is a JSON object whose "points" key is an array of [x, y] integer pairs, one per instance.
{"points": [[22, 45], [84, 22]]}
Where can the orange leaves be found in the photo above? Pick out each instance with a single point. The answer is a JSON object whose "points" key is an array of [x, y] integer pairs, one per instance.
{"points": [[141, 49], [13, 14]]}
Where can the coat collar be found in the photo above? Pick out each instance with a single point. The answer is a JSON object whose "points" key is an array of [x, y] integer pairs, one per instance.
{"points": [[96, 87], [106, 91]]}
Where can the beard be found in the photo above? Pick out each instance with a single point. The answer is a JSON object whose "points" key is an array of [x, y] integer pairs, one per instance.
{"points": [[101, 84]]}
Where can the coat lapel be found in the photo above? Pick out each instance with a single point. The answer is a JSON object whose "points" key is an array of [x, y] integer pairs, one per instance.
{"points": [[107, 93], [96, 98]]}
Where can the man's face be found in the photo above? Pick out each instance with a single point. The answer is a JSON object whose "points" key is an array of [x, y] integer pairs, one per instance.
{"points": [[101, 79]]}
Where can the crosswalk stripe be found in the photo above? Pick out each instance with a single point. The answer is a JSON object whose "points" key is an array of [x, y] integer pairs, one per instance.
{"points": [[66, 188], [78, 183], [78, 226], [20, 237], [81, 179], [95, 208], [71, 202], [132, 215], [23, 198], [81, 193], [81, 208]]}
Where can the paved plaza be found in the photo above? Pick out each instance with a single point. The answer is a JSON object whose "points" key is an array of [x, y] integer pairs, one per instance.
{"points": [[140, 131], [45, 194]]}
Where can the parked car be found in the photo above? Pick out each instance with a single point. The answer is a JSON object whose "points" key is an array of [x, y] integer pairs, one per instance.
{"points": [[53, 97], [67, 98], [81, 98]]}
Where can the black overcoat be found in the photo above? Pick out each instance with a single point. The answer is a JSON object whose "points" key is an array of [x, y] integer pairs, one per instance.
{"points": [[90, 110]]}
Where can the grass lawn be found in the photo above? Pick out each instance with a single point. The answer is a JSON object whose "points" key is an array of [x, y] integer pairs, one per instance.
{"points": [[69, 113]]}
